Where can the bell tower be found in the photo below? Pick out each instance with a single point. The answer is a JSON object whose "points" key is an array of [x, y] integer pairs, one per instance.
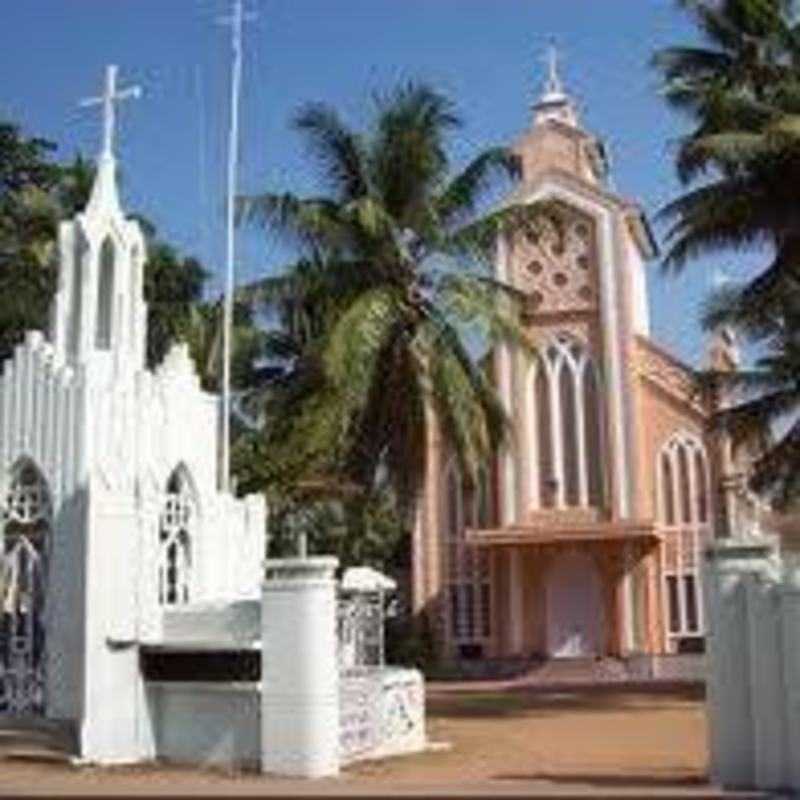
{"points": [[99, 314], [556, 139]]}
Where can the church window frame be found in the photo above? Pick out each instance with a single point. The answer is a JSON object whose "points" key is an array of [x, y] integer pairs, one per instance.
{"points": [[27, 531], [467, 567], [106, 289], [177, 526], [133, 292], [565, 409], [76, 299], [684, 519]]}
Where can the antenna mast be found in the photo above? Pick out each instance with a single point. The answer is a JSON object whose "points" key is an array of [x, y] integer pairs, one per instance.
{"points": [[236, 21]]}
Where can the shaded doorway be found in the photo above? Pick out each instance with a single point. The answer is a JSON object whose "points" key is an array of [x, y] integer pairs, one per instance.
{"points": [[574, 607]]}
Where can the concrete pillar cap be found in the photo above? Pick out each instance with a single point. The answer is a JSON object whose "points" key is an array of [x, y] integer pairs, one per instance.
{"points": [[300, 569]]}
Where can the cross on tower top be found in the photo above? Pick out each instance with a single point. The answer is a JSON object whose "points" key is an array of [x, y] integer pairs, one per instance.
{"points": [[554, 103], [553, 85], [110, 96]]}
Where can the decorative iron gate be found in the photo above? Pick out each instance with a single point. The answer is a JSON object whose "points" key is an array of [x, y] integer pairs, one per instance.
{"points": [[23, 583]]}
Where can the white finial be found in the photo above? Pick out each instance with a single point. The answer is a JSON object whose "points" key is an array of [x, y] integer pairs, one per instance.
{"points": [[554, 103], [106, 100], [553, 85]]}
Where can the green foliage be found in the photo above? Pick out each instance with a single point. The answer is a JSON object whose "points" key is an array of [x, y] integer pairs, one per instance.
{"points": [[173, 286], [339, 520], [35, 194], [741, 165], [394, 274], [410, 643]]}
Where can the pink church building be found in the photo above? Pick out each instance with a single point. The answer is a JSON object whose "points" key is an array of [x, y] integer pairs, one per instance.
{"points": [[584, 538]]}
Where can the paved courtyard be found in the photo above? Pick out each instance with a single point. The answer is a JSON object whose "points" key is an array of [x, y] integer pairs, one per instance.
{"points": [[601, 742]]}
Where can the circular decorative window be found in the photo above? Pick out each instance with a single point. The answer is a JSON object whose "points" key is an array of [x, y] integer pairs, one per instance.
{"points": [[582, 232], [532, 236], [560, 279], [535, 267], [556, 265]]}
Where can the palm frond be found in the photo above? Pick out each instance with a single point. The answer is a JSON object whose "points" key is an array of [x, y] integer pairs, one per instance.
{"points": [[462, 196], [313, 224], [339, 151]]}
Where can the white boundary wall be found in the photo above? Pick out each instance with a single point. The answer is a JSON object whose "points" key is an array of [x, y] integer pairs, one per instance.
{"points": [[753, 605]]}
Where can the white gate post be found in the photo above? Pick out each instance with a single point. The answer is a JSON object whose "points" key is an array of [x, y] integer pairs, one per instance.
{"points": [[790, 630], [730, 565], [299, 672]]}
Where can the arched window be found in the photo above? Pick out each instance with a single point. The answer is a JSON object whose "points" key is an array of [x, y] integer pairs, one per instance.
{"points": [[27, 520], [466, 566], [567, 426], [175, 535], [683, 502], [77, 296], [134, 293], [105, 297]]}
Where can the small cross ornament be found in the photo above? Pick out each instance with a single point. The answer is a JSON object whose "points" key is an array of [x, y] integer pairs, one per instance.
{"points": [[553, 84], [110, 96]]}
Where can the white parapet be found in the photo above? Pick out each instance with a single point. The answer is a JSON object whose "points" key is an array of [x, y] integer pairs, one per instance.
{"points": [[730, 710], [299, 673], [754, 661]]}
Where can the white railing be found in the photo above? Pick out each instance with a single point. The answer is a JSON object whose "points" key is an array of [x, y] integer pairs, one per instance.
{"points": [[359, 718], [360, 631]]}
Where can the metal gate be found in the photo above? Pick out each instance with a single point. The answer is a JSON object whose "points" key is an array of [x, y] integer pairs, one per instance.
{"points": [[23, 583]]}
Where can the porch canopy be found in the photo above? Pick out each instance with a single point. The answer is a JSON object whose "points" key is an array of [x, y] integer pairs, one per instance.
{"points": [[641, 531]]}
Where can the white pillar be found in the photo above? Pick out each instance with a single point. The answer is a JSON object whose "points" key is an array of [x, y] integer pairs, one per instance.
{"points": [[769, 695], [628, 600], [299, 672], [790, 639], [730, 563]]}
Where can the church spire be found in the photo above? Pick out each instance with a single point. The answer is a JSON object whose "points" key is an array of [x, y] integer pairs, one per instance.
{"points": [[554, 103], [104, 192], [99, 315]]}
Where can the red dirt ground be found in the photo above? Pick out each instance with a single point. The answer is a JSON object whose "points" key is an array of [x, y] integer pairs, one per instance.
{"points": [[596, 742]]}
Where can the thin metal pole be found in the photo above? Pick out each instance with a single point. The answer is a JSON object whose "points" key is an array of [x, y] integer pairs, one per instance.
{"points": [[227, 324]]}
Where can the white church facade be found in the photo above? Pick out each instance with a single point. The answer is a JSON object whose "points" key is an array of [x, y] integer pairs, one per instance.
{"points": [[111, 511]]}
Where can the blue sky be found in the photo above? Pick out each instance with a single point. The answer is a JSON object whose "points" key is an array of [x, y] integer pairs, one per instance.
{"points": [[486, 54]]}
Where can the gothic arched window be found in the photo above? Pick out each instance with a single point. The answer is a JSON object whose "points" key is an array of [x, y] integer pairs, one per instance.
{"points": [[135, 270], [105, 297], [27, 521], [175, 535], [466, 566], [77, 295], [567, 426], [683, 503]]}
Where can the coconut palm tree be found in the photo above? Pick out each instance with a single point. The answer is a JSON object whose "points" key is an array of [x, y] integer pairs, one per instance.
{"points": [[392, 291], [741, 164], [765, 414], [742, 92]]}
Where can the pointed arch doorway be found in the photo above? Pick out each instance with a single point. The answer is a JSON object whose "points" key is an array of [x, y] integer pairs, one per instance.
{"points": [[574, 607], [26, 533]]}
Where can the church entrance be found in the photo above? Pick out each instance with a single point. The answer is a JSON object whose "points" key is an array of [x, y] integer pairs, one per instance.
{"points": [[26, 526], [574, 607]]}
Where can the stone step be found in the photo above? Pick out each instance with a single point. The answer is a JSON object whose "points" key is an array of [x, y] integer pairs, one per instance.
{"points": [[43, 740], [576, 671]]}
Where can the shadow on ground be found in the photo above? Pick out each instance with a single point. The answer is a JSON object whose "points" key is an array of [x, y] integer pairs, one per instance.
{"points": [[477, 703], [606, 780]]}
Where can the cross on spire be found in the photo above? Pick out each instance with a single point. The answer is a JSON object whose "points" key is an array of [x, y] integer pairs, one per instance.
{"points": [[553, 86], [110, 96], [553, 83]]}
